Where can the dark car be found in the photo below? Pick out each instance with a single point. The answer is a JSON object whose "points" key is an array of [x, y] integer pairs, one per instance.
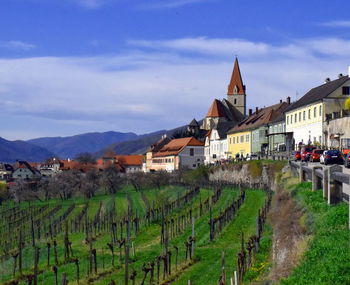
{"points": [[332, 157], [306, 153], [315, 155], [347, 160], [296, 155]]}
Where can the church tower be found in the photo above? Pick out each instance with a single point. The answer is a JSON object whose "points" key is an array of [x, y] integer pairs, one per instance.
{"points": [[236, 90]]}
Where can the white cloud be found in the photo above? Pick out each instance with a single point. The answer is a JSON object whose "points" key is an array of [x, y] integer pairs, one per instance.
{"points": [[336, 24], [161, 84], [17, 45]]}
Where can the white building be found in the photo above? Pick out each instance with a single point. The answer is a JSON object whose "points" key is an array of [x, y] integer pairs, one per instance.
{"points": [[216, 147]]}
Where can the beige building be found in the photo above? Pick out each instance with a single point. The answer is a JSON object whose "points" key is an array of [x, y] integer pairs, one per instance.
{"points": [[306, 118]]}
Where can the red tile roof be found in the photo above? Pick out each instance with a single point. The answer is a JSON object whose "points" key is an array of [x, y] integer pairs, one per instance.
{"points": [[236, 80], [126, 160], [175, 146], [217, 109]]}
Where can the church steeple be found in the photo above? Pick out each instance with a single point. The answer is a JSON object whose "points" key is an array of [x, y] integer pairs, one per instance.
{"points": [[236, 90], [236, 86]]}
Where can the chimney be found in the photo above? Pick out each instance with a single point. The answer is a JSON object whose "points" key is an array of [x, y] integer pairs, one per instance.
{"points": [[250, 112], [288, 100], [280, 101], [327, 80], [256, 109], [340, 75]]}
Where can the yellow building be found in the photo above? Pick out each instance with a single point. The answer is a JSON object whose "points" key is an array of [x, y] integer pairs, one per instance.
{"points": [[239, 143]]}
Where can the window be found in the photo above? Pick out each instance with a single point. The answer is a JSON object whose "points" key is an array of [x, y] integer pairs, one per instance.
{"points": [[234, 140], [304, 116], [242, 139], [235, 101], [346, 90], [320, 111], [194, 165], [295, 118], [247, 138], [309, 114], [315, 112], [287, 120], [299, 116], [291, 119], [191, 152]]}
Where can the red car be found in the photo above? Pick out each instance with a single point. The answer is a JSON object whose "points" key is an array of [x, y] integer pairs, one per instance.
{"points": [[306, 152], [297, 155], [316, 154]]}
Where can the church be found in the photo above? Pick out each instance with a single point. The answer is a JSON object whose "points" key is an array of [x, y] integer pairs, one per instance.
{"points": [[222, 115]]}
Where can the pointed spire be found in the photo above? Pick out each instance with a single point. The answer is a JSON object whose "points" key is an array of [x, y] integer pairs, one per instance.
{"points": [[236, 86]]}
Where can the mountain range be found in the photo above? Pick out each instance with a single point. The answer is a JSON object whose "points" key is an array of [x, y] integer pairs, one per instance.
{"points": [[40, 149], [70, 147], [10, 151]]}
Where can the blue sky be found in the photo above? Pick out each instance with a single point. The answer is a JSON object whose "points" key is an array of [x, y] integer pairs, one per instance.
{"points": [[74, 66]]}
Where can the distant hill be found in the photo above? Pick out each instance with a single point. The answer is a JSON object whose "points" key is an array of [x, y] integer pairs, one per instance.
{"points": [[10, 151], [69, 147], [139, 145]]}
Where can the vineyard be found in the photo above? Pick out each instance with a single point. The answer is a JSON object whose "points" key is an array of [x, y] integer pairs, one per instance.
{"points": [[175, 235]]}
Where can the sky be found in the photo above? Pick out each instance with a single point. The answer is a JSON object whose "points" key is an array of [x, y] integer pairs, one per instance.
{"points": [[74, 66]]}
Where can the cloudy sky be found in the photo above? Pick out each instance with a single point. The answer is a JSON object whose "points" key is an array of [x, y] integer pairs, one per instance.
{"points": [[75, 66]]}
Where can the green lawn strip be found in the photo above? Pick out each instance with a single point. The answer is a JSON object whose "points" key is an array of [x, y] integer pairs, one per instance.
{"points": [[261, 260], [208, 268], [138, 203], [327, 259], [121, 204]]}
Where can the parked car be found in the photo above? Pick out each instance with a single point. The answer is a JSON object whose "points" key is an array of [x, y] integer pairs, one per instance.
{"points": [[306, 152], [316, 154], [331, 157], [347, 160], [296, 155]]}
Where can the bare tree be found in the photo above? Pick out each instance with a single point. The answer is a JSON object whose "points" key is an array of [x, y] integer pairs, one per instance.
{"points": [[158, 179], [112, 180], [138, 180], [90, 183]]}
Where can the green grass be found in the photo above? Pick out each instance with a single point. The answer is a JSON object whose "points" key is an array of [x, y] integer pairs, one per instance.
{"points": [[327, 260]]}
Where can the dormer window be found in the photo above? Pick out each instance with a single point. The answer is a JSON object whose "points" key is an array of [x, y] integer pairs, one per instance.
{"points": [[235, 89]]}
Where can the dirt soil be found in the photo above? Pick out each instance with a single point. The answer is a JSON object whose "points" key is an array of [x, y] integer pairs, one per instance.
{"points": [[289, 235]]}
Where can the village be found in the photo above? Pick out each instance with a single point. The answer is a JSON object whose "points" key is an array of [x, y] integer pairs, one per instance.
{"points": [[300, 130]]}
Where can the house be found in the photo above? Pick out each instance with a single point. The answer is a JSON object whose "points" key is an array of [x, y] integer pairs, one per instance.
{"points": [[337, 132], [278, 139], [152, 150], [50, 167], [177, 154], [216, 147], [250, 135], [130, 163], [23, 170], [307, 116], [6, 171]]}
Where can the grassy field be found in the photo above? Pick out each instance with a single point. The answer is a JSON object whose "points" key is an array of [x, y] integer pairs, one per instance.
{"points": [[205, 268], [327, 260]]}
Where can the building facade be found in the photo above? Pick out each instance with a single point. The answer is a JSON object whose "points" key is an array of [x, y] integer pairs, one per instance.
{"points": [[306, 117], [183, 153]]}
